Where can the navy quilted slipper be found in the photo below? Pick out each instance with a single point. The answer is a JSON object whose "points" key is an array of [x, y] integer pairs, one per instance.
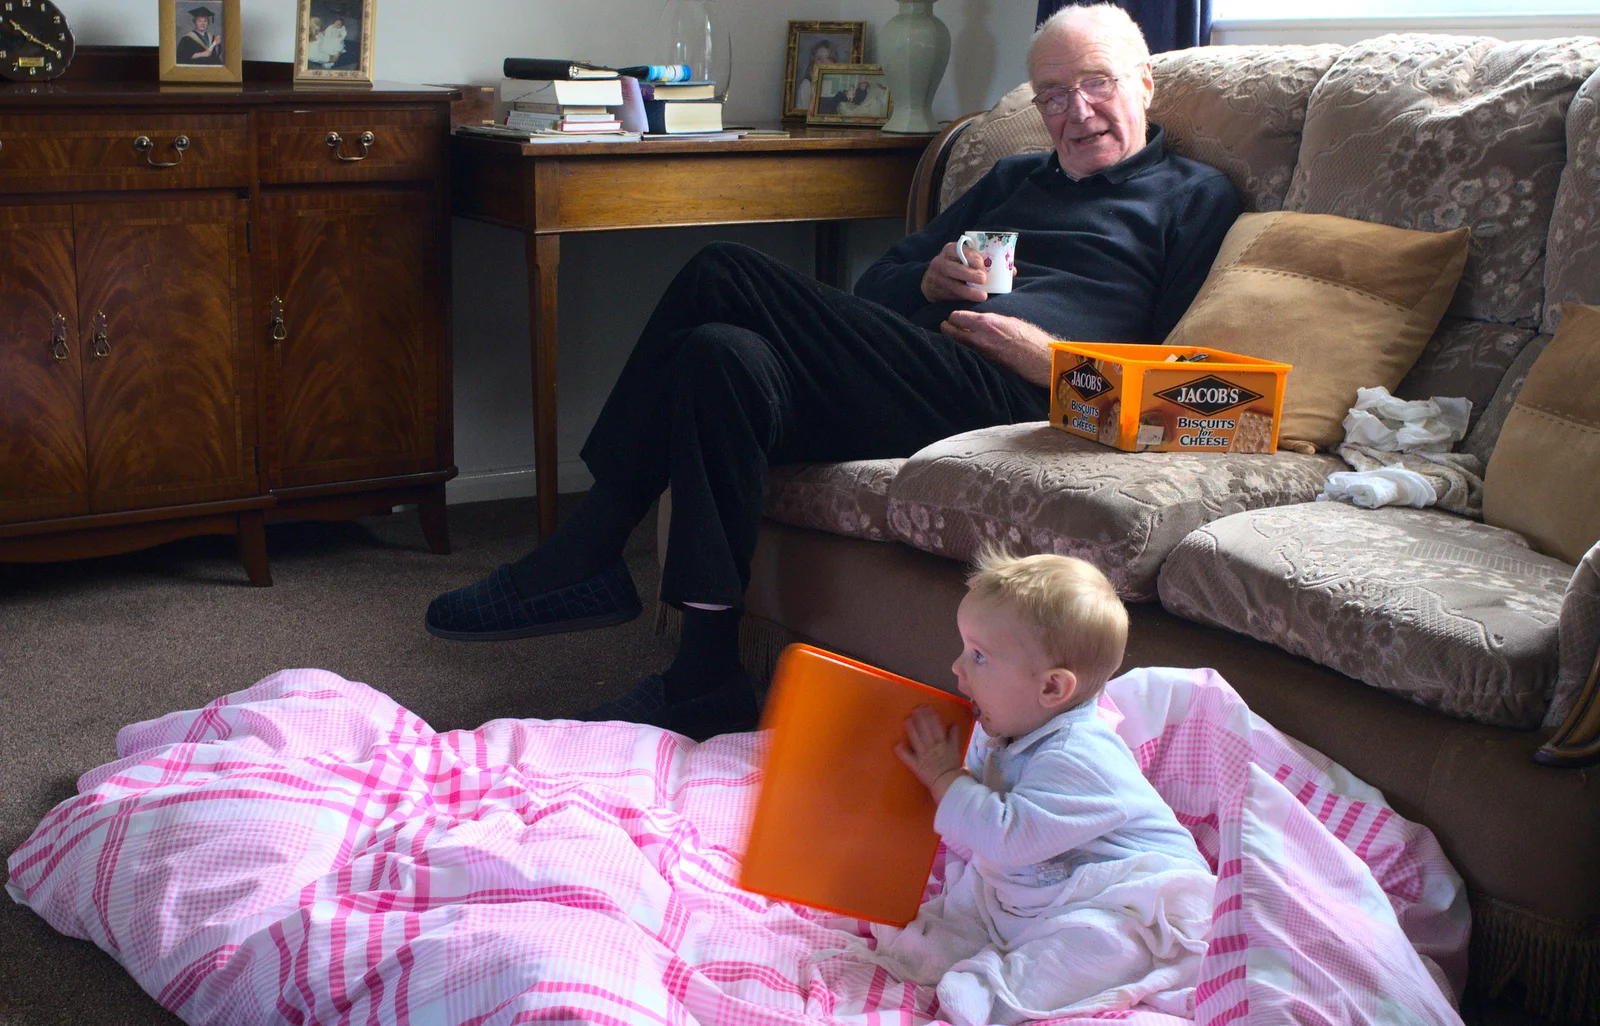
{"points": [[491, 610], [729, 709]]}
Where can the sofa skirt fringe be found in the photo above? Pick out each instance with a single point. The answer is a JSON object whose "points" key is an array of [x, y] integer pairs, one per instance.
{"points": [[1551, 965]]}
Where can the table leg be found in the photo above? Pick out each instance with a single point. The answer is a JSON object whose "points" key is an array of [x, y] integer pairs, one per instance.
{"points": [[544, 263], [830, 262]]}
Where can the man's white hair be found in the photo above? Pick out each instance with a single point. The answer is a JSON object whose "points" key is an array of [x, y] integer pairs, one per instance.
{"points": [[1105, 21]]}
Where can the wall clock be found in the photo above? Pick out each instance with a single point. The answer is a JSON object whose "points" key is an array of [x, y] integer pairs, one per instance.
{"points": [[35, 43]]}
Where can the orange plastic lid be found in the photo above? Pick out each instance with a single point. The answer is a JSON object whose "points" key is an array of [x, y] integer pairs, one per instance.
{"points": [[841, 823]]}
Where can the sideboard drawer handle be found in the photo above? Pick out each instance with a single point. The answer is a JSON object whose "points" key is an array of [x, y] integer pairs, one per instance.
{"points": [[58, 339], [280, 328], [146, 147], [102, 341], [336, 143]]}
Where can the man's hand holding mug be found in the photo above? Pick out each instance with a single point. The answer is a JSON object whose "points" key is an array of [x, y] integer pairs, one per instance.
{"points": [[972, 268]]}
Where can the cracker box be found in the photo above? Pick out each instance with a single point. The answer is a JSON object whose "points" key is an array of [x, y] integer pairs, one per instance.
{"points": [[1166, 398]]}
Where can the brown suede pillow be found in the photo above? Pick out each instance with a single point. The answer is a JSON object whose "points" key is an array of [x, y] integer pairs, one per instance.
{"points": [[1350, 304], [1544, 475]]}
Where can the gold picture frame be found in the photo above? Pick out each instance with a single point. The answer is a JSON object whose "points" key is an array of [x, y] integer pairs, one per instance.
{"points": [[201, 41], [333, 41], [849, 94], [805, 39]]}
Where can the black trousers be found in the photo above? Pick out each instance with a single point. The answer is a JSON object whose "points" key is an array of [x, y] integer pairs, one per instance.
{"points": [[747, 363]]}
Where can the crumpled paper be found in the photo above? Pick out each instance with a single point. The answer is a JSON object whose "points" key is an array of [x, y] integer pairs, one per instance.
{"points": [[1380, 421], [1400, 452]]}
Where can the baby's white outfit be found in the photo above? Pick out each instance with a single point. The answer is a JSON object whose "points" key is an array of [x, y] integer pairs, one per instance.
{"points": [[1071, 886]]}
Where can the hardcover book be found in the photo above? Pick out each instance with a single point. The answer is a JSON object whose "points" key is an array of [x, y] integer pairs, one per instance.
{"points": [[679, 91], [548, 68], [841, 823], [667, 117]]}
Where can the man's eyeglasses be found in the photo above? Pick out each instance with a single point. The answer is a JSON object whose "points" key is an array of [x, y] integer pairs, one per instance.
{"points": [[1098, 89]]}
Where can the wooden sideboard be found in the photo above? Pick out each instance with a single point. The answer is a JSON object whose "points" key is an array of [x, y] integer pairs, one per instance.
{"points": [[219, 306]]}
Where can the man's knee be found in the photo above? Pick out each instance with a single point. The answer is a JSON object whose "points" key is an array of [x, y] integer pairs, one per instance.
{"points": [[720, 361], [724, 257]]}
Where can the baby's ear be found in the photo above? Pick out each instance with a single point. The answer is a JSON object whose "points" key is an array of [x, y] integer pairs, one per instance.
{"points": [[1060, 685]]}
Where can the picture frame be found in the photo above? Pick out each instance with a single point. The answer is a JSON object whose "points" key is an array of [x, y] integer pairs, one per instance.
{"points": [[849, 94], [201, 41], [334, 41], [840, 42]]}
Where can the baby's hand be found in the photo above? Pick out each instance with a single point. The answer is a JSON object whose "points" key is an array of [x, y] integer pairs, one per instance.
{"points": [[934, 753]]}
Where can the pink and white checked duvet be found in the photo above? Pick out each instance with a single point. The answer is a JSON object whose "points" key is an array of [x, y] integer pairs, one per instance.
{"points": [[308, 851]]}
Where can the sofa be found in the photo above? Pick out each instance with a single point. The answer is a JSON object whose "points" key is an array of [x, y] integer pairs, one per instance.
{"points": [[1439, 658]]}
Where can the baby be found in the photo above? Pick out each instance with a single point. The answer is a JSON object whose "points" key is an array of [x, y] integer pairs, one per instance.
{"points": [[1074, 889]]}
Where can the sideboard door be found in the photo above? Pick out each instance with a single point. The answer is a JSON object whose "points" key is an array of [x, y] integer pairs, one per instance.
{"points": [[354, 377], [44, 469], [166, 381]]}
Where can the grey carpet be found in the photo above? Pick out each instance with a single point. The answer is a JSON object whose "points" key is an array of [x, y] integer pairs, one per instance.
{"points": [[88, 647]]}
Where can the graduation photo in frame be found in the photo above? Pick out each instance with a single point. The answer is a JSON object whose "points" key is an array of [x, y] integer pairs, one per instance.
{"points": [[849, 94], [812, 43], [201, 41], [334, 41]]}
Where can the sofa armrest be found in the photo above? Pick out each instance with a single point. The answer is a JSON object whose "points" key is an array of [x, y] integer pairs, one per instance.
{"points": [[1576, 741], [923, 204]]}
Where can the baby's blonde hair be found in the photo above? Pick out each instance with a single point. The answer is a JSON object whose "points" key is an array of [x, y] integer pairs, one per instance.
{"points": [[1073, 610]]}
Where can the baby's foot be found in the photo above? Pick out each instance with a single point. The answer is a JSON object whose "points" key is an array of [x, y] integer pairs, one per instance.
{"points": [[964, 999]]}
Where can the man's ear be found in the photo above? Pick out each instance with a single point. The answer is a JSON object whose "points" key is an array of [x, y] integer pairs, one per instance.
{"points": [[1060, 685]]}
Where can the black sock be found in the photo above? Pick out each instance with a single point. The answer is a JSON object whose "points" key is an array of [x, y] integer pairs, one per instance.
{"points": [[708, 654], [587, 542]]}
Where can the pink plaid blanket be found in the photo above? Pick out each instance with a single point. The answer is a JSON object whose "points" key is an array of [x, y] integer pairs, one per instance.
{"points": [[308, 851]]}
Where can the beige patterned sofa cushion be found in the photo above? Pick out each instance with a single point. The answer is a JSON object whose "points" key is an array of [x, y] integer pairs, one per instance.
{"points": [[1436, 132], [1035, 488], [1447, 612], [841, 498], [1480, 441], [1572, 274], [1467, 359], [1011, 126], [1240, 109]]}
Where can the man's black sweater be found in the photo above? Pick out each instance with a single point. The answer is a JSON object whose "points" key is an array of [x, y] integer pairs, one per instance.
{"points": [[1114, 257]]}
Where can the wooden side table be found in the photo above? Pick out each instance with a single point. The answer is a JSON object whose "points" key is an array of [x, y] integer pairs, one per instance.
{"points": [[549, 189]]}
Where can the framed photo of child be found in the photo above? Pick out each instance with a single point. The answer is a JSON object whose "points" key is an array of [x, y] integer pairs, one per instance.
{"points": [[812, 43], [201, 41], [334, 41], [849, 94]]}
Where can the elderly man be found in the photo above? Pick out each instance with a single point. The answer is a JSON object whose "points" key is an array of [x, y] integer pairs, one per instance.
{"points": [[747, 363]]}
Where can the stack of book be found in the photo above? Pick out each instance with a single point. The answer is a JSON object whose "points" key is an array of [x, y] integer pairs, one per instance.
{"points": [[679, 108], [579, 106], [576, 97]]}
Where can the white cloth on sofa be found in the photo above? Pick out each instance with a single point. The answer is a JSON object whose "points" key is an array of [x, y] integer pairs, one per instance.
{"points": [[1399, 452], [1383, 486]]}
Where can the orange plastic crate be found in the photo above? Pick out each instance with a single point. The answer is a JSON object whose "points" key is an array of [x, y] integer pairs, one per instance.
{"points": [[1132, 397], [842, 824]]}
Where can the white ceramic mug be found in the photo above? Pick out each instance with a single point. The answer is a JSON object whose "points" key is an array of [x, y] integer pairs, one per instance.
{"points": [[996, 252]]}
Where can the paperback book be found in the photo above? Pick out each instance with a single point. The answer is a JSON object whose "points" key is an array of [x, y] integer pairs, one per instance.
{"points": [[603, 92]]}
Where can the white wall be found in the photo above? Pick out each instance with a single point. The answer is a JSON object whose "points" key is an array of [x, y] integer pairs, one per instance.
{"points": [[464, 41]]}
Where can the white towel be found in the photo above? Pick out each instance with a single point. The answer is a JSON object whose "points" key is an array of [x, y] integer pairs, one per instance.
{"points": [[1386, 486]]}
